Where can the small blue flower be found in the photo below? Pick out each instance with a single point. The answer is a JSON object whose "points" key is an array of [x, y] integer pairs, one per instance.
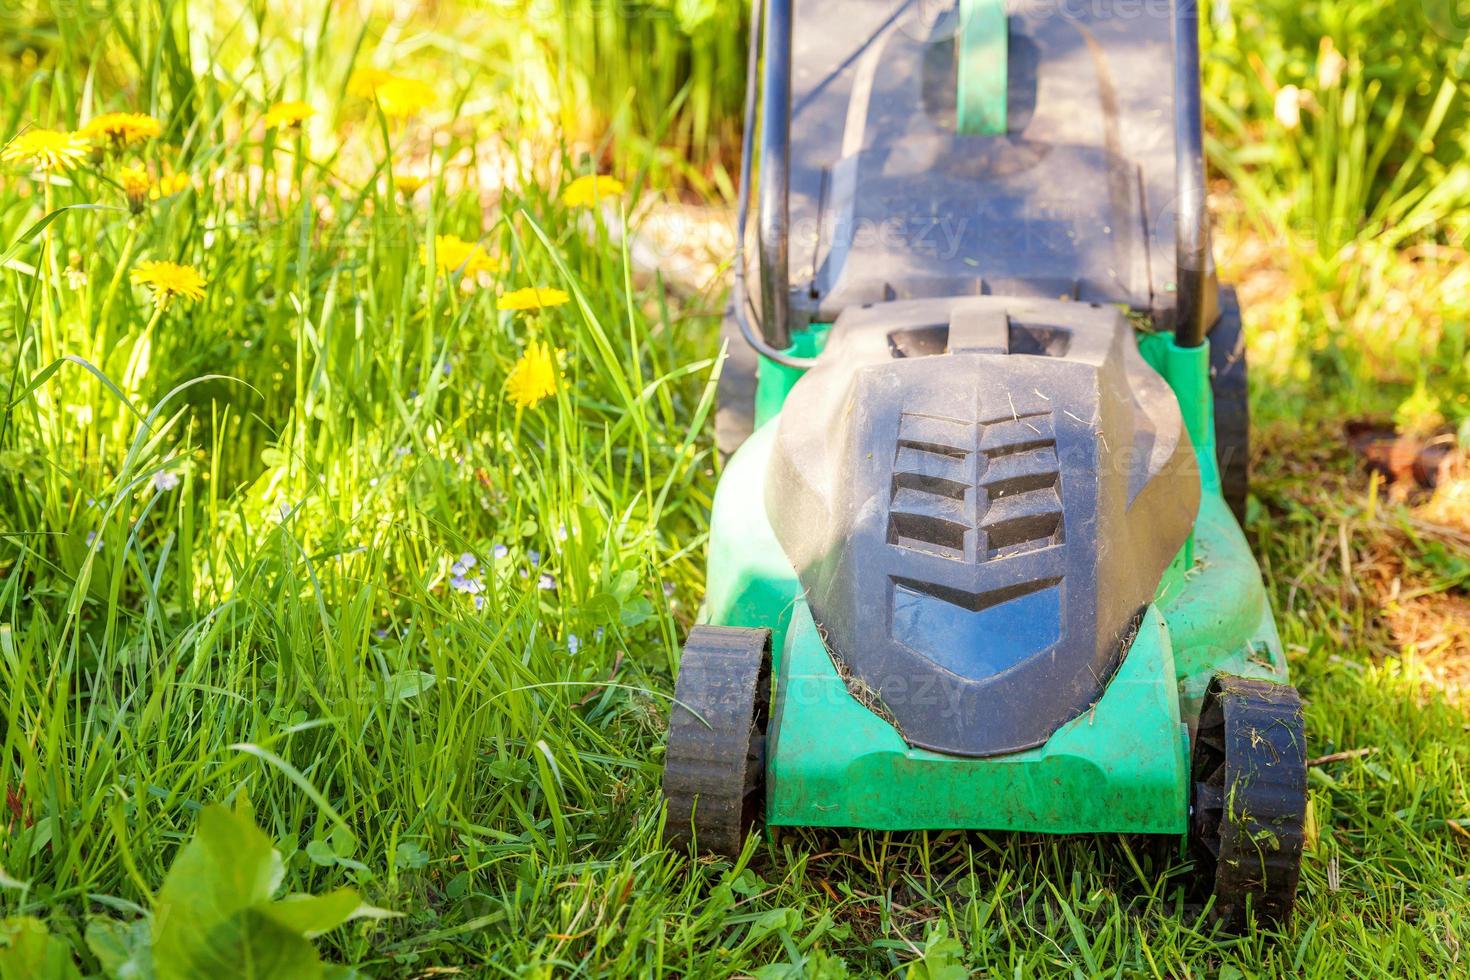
{"points": [[499, 551], [597, 634], [525, 574], [479, 602], [669, 589], [165, 480], [533, 556], [93, 541], [466, 562], [402, 451], [574, 643], [471, 585], [545, 583]]}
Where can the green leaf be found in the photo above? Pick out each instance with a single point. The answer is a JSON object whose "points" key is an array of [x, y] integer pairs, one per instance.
{"points": [[29, 952], [410, 855], [312, 915], [408, 684], [125, 949], [786, 920], [214, 916], [321, 853], [943, 958], [626, 584], [602, 606], [816, 965], [747, 884], [202, 923], [637, 610], [335, 971], [344, 841]]}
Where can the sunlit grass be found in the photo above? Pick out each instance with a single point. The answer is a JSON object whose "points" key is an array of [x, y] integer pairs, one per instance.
{"points": [[1342, 126]]}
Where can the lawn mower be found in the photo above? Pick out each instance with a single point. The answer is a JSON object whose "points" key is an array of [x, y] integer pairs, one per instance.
{"points": [[975, 559]]}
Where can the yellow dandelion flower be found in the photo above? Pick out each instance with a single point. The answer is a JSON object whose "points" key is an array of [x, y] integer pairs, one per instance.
{"points": [[400, 98], [46, 149], [586, 191], [170, 184], [288, 115], [534, 376], [165, 280], [135, 184], [454, 254], [365, 82], [531, 298], [409, 184], [121, 129]]}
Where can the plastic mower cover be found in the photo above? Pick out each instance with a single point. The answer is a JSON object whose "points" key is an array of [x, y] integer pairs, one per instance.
{"points": [[980, 496]]}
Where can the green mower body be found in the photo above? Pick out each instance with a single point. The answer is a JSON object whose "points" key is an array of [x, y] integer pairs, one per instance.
{"points": [[975, 559], [1122, 766]]}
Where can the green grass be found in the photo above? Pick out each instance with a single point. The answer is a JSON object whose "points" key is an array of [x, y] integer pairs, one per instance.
{"points": [[280, 625]]}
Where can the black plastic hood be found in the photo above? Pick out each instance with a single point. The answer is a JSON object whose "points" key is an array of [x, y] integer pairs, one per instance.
{"points": [[980, 496]]}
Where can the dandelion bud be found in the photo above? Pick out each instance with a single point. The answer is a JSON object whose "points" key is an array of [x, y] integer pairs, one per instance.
{"points": [[1289, 107], [1330, 65], [135, 185]]}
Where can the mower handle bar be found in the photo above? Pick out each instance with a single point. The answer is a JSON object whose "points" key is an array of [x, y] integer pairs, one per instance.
{"points": [[774, 337], [775, 215]]}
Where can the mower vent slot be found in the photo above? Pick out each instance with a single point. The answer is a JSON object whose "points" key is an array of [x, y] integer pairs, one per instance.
{"points": [[976, 491], [921, 468], [919, 341], [1022, 484], [930, 483], [1025, 522], [1018, 433], [936, 434], [1018, 472], [1040, 341], [1031, 339], [933, 448], [933, 535], [933, 479]]}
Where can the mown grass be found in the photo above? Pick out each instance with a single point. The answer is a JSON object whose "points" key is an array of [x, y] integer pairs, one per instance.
{"points": [[280, 624]]}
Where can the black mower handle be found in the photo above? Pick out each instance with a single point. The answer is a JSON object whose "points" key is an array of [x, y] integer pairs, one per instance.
{"points": [[774, 230], [1192, 231], [774, 334]]}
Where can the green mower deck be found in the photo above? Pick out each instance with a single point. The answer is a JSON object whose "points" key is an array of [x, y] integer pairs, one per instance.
{"points": [[1121, 767]]}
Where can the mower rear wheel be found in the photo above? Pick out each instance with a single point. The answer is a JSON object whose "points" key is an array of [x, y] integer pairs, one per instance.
{"points": [[1249, 797], [715, 763]]}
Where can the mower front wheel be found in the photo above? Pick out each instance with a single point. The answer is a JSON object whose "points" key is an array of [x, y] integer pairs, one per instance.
{"points": [[1249, 798], [715, 763]]}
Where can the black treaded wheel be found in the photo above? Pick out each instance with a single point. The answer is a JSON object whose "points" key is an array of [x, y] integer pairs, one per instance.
{"points": [[1228, 381], [1248, 799], [715, 768]]}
